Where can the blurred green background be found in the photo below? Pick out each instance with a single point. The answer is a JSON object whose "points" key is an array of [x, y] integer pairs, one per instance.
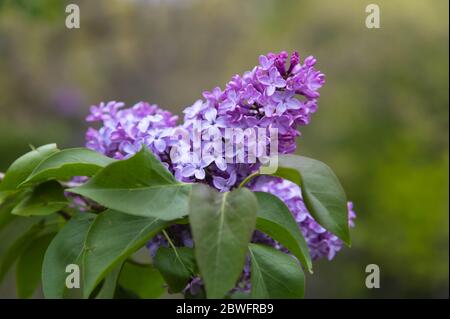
{"points": [[382, 122]]}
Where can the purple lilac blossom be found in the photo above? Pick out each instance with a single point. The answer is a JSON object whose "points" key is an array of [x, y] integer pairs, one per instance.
{"points": [[125, 130], [279, 93]]}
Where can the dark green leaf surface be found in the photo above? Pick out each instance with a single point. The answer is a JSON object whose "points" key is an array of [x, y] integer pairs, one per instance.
{"points": [[322, 193], [113, 237], [7, 206], [275, 219], [4, 195], [109, 284], [66, 248], [18, 247], [68, 163], [29, 266], [143, 280], [141, 186], [274, 274], [45, 199], [176, 266], [5, 214], [222, 225]]}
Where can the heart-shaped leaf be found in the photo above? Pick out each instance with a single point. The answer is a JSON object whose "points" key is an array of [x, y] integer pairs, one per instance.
{"points": [[141, 186], [222, 225]]}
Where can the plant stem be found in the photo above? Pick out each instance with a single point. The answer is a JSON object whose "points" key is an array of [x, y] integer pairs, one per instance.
{"points": [[171, 244], [247, 179]]}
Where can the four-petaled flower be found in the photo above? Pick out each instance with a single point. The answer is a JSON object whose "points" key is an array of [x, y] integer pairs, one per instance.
{"points": [[195, 168], [272, 80]]}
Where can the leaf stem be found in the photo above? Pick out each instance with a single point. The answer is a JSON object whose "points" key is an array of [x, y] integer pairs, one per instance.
{"points": [[247, 179], [171, 243], [174, 249]]}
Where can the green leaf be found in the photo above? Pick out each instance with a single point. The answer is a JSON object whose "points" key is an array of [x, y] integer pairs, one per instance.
{"points": [[274, 274], [144, 280], [29, 266], [66, 248], [109, 284], [275, 219], [176, 266], [16, 249], [112, 238], [69, 163], [7, 206], [222, 225], [5, 214], [140, 186], [322, 193], [47, 198], [4, 195], [23, 166]]}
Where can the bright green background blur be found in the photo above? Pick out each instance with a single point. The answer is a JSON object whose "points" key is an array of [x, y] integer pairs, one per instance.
{"points": [[382, 122]]}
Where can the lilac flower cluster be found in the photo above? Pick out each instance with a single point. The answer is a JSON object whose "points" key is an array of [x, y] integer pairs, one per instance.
{"points": [[280, 92], [277, 93], [124, 131]]}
